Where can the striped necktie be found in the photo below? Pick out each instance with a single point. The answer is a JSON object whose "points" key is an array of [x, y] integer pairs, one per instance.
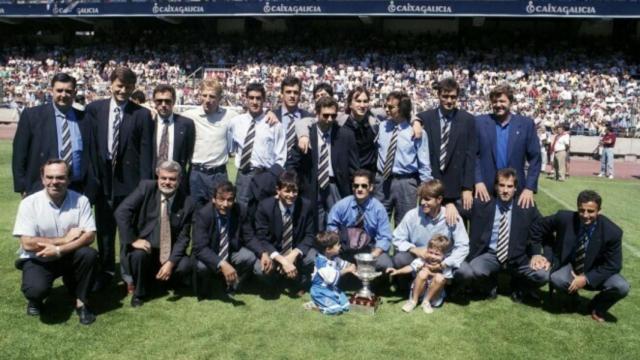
{"points": [[291, 133], [116, 138], [578, 262], [502, 250], [224, 241], [323, 164], [163, 151], [165, 230], [65, 152], [360, 218], [287, 235], [391, 154], [245, 160], [444, 141]]}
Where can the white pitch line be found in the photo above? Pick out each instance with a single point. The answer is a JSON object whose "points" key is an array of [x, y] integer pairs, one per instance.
{"points": [[635, 251]]}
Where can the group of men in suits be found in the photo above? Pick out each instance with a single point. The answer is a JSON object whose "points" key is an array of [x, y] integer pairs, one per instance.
{"points": [[138, 170]]}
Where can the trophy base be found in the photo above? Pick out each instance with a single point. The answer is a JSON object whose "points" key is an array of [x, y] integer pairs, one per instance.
{"points": [[364, 305]]}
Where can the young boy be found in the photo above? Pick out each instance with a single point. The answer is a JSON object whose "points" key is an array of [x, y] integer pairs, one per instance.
{"points": [[428, 284], [325, 294]]}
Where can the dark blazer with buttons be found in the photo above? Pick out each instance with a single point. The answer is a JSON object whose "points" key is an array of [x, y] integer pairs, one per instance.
{"points": [[36, 141], [135, 147], [138, 216], [206, 236], [268, 226], [184, 139], [603, 256], [459, 170], [481, 227]]}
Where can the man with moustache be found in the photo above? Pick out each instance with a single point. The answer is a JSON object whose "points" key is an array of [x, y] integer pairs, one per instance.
{"points": [[452, 147], [258, 146], [122, 155], [326, 170], [500, 242], [506, 140], [155, 225]]}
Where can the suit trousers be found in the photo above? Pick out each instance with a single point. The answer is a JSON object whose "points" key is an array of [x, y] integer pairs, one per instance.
{"points": [[304, 264], [243, 184], [612, 290], [106, 233], [481, 274], [77, 270], [202, 184], [326, 199], [144, 267], [397, 194], [243, 261]]}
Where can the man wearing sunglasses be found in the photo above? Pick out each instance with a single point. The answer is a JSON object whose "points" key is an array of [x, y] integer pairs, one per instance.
{"points": [[332, 161]]}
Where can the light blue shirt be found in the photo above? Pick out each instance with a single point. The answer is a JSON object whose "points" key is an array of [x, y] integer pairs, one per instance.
{"points": [[269, 144], [412, 155], [493, 243], [416, 230], [376, 221], [76, 140]]}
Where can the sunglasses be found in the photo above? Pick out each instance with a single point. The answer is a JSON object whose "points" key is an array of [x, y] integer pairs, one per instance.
{"points": [[160, 101], [360, 186], [329, 116]]}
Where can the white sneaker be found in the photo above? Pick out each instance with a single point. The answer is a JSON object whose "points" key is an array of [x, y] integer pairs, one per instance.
{"points": [[610, 176], [408, 306], [426, 307], [601, 175]]}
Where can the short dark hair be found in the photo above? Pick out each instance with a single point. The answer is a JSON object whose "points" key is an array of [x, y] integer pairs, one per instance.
{"points": [[138, 96], [586, 196], [355, 92], [63, 78], [290, 81], [447, 84], [363, 173], [288, 179], [124, 74], [502, 89], [439, 242], [431, 189], [323, 86], [327, 239], [163, 88], [52, 162], [506, 173], [326, 102], [254, 86], [404, 103], [224, 187]]}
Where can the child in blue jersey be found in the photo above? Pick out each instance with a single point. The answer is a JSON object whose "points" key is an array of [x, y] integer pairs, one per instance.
{"points": [[325, 294]]}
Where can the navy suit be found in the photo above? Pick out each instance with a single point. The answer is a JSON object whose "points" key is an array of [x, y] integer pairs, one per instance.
{"points": [[36, 141], [603, 257], [184, 139], [459, 170], [523, 146]]}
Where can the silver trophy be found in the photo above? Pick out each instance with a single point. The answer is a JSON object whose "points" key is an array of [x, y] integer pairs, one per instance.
{"points": [[365, 300]]}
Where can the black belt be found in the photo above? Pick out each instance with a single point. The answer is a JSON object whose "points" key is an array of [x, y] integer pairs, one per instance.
{"points": [[402, 176], [256, 170], [209, 171]]}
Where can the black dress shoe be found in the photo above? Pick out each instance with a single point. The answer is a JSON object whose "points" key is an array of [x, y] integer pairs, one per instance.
{"points": [[33, 308], [136, 301], [517, 296], [85, 315]]}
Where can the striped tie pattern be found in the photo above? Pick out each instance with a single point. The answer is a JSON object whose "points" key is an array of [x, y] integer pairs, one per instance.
{"points": [[360, 219], [578, 263], [287, 235], [291, 133], [163, 151], [224, 241], [65, 153], [444, 141], [502, 250], [391, 154], [116, 138], [323, 165], [245, 160], [165, 231]]}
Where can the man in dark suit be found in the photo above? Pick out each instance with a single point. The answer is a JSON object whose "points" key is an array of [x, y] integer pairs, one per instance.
{"points": [[327, 169], [499, 241], [506, 140], [289, 113], [122, 155], [452, 147], [155, 225], [218, 243], [587, 253], [53, 131], [175, 135], [283, 231]]}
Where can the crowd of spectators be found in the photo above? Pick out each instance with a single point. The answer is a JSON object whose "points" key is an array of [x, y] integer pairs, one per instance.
{"points": [[583, 84]]}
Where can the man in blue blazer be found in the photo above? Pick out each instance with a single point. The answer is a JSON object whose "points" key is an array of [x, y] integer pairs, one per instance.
{"points": [[122, 155], [53, 131], [506, 140]]}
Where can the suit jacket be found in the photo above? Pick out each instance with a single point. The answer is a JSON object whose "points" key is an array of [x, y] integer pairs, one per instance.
{"points": [[36, 141], [481, 227], [184, 139], [603, 256], [268, 227], [344, 161], [206, 237], [523, 145], [459, 171], [135, 147], [139, 215]]}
